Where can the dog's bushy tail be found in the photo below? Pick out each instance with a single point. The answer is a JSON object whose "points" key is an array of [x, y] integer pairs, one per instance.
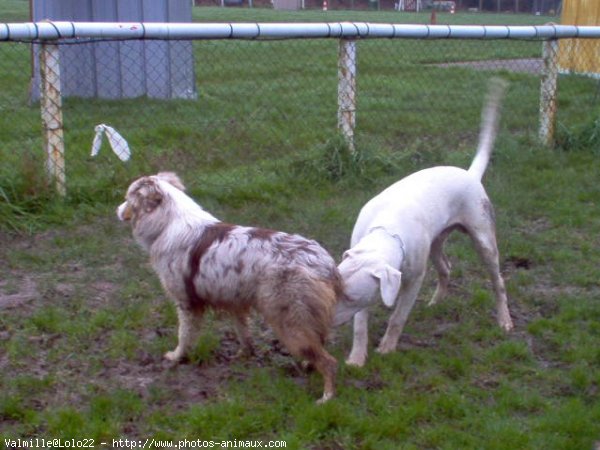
{"points": [[490, 116]]}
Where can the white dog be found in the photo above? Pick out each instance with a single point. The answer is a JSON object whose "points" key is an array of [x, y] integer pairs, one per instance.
{"points": [[399, 229], [204, 263]]}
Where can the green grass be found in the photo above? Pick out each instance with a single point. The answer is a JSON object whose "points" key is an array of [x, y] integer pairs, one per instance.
{"points": [[84, 323], [257, 99]]}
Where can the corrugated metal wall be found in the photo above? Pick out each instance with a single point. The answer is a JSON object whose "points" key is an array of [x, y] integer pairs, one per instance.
{"points": [[126, 69], [580, 55]]}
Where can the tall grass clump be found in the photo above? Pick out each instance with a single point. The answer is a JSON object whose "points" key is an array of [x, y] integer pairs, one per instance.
{"points": [[24, 192], [581, 137], [336, 161]]}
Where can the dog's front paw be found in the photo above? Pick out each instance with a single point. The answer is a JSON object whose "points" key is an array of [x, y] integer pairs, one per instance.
{"points": [[504, 320], [385, 348], [356, 361], [174, 356], [507, 325]]}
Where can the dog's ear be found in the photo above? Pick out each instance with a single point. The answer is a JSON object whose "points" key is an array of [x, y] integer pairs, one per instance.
{"points": [[172, 178], [147, 196], [389, 283], [152, 200]]}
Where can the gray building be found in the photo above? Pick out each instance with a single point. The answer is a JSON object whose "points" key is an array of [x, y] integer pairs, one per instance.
{"points": [[121, 69]]}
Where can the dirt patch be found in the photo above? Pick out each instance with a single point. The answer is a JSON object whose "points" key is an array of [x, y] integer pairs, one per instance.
{"points": [[373, 383], [17, 292], [190, 382], [181, 384]]}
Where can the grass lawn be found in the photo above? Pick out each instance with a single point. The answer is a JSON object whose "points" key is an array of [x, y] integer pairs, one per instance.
{"points": [[84, 323]]}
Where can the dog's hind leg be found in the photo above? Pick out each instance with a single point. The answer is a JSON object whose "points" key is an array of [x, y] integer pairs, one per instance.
{"points": [[405, 302], [327, 367], [358, 354], [306, 343], [485, 242], [442, 266], [187, 333], [325, 364]]}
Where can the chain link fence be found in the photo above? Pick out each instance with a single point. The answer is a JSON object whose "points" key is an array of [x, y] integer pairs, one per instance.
{"points": [[250, 101]]}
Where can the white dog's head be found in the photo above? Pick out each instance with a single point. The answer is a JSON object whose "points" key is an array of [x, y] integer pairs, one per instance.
{"points": [[365, 275]]}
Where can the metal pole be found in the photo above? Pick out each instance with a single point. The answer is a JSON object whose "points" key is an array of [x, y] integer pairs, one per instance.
{"points": [[247, 30], [347, 90], [52, 120], [548, 91]]}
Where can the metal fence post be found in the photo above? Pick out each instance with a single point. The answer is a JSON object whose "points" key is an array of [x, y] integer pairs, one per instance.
{"points": [[52, 120], [347, 90], [548, 91]]}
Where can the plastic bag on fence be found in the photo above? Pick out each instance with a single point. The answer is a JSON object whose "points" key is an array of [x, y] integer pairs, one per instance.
{"points": [[117, 142]]}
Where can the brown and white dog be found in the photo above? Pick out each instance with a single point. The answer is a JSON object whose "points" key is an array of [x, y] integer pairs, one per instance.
{"points": [[205, 263]]}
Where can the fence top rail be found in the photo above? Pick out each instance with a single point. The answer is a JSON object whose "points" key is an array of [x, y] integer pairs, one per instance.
{"points": [[48, 30]]}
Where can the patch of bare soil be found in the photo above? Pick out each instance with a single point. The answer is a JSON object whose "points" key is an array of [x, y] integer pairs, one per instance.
{"points": [[16, 291], [191, 382], [181, 384], [373, 383]]}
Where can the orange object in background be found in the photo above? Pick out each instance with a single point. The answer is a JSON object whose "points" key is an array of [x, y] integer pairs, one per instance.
{"points": [[580, 55]]}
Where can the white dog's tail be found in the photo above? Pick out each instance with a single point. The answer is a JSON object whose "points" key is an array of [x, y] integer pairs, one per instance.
{"points": [[490, 117]]}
